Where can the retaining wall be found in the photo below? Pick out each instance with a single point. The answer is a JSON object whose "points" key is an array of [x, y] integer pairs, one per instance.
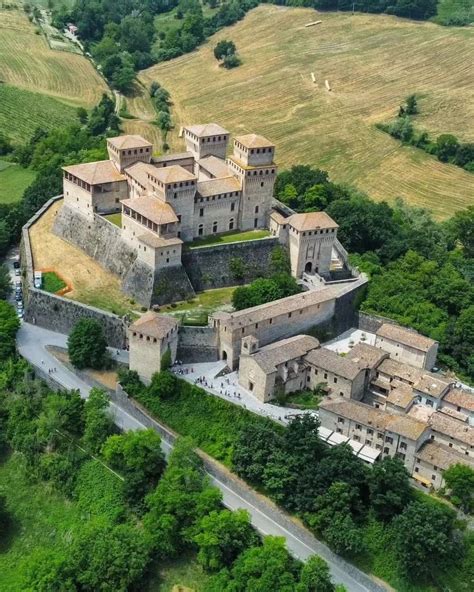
{"points": [[211, 267], [197, 344], [371, 322]]}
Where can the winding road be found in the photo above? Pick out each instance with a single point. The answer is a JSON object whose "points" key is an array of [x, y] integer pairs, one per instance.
{"points": [[32, 342]]}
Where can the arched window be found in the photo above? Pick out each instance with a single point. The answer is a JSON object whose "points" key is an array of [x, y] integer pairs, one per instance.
{"points": [[200, 229], [231, 224], [214, 227]]}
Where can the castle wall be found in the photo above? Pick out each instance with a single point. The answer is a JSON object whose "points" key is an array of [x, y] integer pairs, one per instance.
{"points": [[78, 198], [106, 198], [212, 267], [145, 355], [197, 344], [314, 247], [214, 209]]}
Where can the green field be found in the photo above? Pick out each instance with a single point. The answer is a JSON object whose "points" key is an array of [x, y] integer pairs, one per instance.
{"points": [[228, 237], [41, 521], [14, 179], [372, 62], [52, 282], [115, 219], [184, 571]]}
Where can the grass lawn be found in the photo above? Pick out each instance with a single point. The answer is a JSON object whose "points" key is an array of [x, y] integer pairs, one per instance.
{"points": [[184, 571], [372, 63], [304, 399], [115, 219], [41, 521], [14, 179], [229, 237], [207, 301], [52, 282]]}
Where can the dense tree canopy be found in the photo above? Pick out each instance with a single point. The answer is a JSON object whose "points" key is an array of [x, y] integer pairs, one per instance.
{"points": [[86, 344]]}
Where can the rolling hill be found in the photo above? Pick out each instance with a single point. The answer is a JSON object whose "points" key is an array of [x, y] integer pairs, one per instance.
{"points": [[372, 63]]}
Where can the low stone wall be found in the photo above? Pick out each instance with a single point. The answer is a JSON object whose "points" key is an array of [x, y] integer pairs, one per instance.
{"points": [[61, 314], [55, 312], [197, 344], [211, 267], [371, 322]]}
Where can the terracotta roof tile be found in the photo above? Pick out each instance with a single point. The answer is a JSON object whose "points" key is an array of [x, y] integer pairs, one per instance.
{"points": [[152, 208], [441, 456], [207, 129], [217, 186], [95, 173], [154, 325], [461, 398], [311, 221], [405, 336], [328, 359], [254, 141], [129, 141], [270, 356], [454, 428]]}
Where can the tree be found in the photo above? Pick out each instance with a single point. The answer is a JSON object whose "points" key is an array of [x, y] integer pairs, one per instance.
{"points": [[411, 105], [224, 48], [9, 325], [82, 115], [109, 558], [5, 237], [231, 61], [61, 415], [460, 481], [222, 536], [315, 576], [183, 496], [424, 539], [98, 425], [5, 145], [5, 282], [446, 147], [166, 360], [461, 226], [333, 518], [138, 456], [266, 568], [163, 385], [390, 490], [87, 346], [253, 450], [4, 517]]}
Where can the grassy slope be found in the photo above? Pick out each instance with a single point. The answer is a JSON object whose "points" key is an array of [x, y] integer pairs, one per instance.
{"points": [[61, 81], [41, 520], [13, 180], [372, 62]]}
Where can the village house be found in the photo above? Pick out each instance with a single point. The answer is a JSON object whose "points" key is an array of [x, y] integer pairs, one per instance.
{"points": [[407, 346]]}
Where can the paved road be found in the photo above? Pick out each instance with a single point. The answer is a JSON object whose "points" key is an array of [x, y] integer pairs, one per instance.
{"points": [[32, 342]]}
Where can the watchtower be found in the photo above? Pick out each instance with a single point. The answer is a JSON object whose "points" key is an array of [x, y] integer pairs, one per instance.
{"points": [[205, 140], [125, 150], [253, 164]]}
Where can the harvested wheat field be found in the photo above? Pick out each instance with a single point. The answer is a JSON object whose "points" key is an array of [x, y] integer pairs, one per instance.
{"points": [[91, 283], [27, 62], [372, 63]]}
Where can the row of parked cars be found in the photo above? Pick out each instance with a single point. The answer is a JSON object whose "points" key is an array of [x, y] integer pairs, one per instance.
{"points": [[18, 289]]}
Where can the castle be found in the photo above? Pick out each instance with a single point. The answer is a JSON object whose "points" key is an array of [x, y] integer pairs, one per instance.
{"points": [[175, 199]]}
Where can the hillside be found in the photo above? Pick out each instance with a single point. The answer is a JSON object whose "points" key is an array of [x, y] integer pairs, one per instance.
{"points": [[372, 63], [65, 80]]}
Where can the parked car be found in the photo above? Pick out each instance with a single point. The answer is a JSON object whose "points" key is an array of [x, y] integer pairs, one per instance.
{"points": [[19, 296], [20, 314], [17, 271], [16, 264]]}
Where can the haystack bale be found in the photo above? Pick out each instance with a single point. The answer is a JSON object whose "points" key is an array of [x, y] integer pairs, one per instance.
{"points": [[313, 23], [328, 86], [313, 77]]}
